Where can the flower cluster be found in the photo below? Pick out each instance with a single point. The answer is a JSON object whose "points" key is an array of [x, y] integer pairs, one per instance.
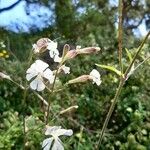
{"points": [[39, 72], [41, 76]]}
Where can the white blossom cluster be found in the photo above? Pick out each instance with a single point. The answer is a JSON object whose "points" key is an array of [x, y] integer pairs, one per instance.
{"points": [[39, 72], [40, 75]]}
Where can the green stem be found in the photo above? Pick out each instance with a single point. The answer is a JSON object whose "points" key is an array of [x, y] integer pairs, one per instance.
{"points": [[122, 81], [111, 110], [141, 63], [24, 103], [52, 91], [24, 108], [23, 88], [135, 56]]}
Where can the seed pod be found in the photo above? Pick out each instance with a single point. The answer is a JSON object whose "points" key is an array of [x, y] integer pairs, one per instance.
{"points": [[82, 79], [69, 110], [88, 50]]}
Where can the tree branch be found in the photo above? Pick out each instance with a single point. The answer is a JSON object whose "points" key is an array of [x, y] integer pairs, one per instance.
{"points": [[10, 7]]}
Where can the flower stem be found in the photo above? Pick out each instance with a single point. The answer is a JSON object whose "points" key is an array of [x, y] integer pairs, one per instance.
{"points": [[24, 104], [52, 91], [118, 91]]}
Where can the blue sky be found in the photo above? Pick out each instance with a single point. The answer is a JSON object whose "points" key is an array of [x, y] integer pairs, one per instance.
{"points": [[18, 14]]}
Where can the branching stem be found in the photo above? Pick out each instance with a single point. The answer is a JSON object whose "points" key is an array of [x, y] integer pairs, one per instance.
{"points": [[119, 89]]}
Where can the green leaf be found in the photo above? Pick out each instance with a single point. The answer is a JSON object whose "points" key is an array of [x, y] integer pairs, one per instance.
{"points": [[129, 54], [111, 68]]}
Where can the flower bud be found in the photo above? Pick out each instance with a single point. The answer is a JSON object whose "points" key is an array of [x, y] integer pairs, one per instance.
{"points": [[4, 76], [88, 50], [41, 45], [69, 110], [70, 54], [65, 50], [82, 78]]}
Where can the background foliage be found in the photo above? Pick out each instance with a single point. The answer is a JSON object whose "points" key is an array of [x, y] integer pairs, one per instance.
{"points": [[85, 23]]}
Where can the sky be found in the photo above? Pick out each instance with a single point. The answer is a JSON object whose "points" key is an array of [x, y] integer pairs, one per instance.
{"points": [[141, 30], [18, 14]]}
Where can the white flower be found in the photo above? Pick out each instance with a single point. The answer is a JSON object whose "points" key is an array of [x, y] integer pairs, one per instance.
{"points": [[53, 51], [57, 58], [65, 69], [95, 76], [39, 70], [55, 132]]}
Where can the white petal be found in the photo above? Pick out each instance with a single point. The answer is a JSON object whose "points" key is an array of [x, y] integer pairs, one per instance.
{"points": [[66, 69], [57, 58], [40, 85], [32, 68], [47, 73], [95, 73], [33, 84], [29, 76], [37, 84], [37, 67], [40, 65], [56, 52], [51, 53], [52, 45], [50, 130], [63, 132], [57, 145], [95, 76], [98, 82], [47, 143]]}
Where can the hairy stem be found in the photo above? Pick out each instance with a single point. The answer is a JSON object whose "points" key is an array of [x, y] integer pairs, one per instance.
{"points": [[24, 103], [52, 91]]}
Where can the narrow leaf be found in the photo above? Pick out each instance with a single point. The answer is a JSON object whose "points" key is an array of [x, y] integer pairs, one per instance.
{"points": [[111, 68]]}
